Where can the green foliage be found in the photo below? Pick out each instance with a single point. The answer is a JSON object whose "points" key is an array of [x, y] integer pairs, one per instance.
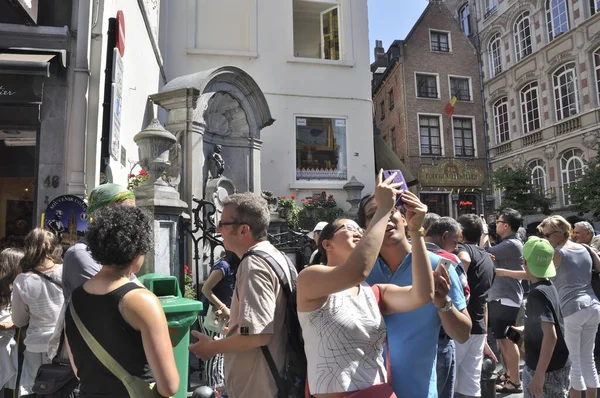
{"points": [[289, 211], [585, 192], [190, 290], [519, 193]]}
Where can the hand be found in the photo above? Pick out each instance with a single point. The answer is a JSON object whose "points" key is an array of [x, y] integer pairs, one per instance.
{"points": [[519, 329], [386, 191], [442, 283], [536, 387], [203, 347], [415, 210], [225, 312], [487, 351], [485, 229]]}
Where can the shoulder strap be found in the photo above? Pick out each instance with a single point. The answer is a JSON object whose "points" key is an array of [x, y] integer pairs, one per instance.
{"points": [[103, 356], [46, 277], [388, 365]]}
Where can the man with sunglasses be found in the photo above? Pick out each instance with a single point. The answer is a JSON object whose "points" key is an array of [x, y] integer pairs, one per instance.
{"points": [[258, 305], [506, 295]]}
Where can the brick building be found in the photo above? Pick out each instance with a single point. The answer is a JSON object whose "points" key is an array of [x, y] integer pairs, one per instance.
{"points": [[412, 84]]}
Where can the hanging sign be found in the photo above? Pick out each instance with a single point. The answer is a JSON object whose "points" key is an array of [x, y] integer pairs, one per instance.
{"points": [[67, 217]]}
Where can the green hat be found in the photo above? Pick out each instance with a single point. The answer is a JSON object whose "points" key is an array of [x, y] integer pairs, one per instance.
{"points": [[539, 254], [107, 194]]}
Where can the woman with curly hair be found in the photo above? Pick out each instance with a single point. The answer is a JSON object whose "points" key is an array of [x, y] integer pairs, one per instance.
{"points": [[37, 299], [9, 269], [126, 319]]}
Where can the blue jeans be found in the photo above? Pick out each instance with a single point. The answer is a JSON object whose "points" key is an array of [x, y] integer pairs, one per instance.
{"points": [[446, 368]]}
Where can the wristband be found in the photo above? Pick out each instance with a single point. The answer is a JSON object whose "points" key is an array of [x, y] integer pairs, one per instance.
{"points": [[417, 232]]}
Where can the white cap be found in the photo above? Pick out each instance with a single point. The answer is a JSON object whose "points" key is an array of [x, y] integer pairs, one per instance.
{"points": [[318, 228]]}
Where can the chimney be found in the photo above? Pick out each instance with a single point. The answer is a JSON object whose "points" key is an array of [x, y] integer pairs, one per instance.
{"points": [[378, 52]]}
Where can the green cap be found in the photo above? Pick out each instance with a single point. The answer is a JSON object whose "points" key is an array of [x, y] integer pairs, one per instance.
{"points": [[539, 254]]}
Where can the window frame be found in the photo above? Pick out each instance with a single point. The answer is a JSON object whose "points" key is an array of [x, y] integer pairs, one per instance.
{"points": [[502, 101], [394, 141], [520, 37], [441, 131], [468, 78], [437, 84], [525, 111], [490, 7], [382, 109], [556, 75], [473, 134], [549, 13], [340, 154], [594, 7], [495, 70], [596, 62], [462, 18], [538, 165], [576, 155], [443, 32], [391, 102]]}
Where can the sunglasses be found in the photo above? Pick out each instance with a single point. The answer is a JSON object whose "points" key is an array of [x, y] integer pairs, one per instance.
{"points": [[550, 234], [350, 228]]}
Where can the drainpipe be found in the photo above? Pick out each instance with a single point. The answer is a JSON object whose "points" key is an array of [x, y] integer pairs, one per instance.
{"points": [[77, 118]]}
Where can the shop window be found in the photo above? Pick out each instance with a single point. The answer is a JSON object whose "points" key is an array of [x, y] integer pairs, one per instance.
{"points": [[321, 148], [436, 203], [316, 30], [467, 204]]}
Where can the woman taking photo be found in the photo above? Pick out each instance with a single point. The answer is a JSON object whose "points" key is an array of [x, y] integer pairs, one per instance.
{"points": [[336, 308], [126, 319], [580, 306], [37, 299]]}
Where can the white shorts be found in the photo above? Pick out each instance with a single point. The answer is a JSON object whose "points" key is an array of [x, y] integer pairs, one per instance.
{"points": [[469, 359]]}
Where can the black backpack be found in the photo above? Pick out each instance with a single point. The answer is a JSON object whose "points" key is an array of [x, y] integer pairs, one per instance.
{"points": [[292, 383]]}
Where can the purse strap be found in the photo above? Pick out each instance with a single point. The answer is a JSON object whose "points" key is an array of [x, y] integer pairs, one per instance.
{"points": [[46, 277], [388, 365], [103, 356]]}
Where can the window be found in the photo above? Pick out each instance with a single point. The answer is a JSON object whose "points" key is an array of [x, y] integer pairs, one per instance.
{"points": [[427, 86], [391, 99], [393, 134], [597, 71], [382, 109], [464, 16], [501, 120], [571, 168], [460, 88], [490, 7], [316, 30], [537, 168], [594, 6], [522, 32], [429, 134], [464, 144], [495, 55], [557, 18], [440, 41], [321, 148], [530, 110], [565, 91]]}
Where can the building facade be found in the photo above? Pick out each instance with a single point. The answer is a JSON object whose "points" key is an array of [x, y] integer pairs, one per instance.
{"points": [[413, 84], [310, 59], [69, 107], [541, 63]]}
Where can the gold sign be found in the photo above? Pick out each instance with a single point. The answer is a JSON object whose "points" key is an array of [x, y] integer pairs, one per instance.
{"points": [[451, 173]]}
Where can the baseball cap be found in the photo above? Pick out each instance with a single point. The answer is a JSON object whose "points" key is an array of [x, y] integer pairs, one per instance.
{"points": [[539, 254], [318, 228]]}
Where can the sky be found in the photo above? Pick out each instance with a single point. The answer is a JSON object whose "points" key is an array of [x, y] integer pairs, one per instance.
{"points": [[392, 19]]}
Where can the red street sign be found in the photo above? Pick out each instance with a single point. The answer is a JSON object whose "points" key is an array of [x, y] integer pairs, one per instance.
{"points": [[121, 32]]}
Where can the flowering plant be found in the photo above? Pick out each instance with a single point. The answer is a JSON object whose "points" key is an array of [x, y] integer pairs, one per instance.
{"points": [[190, 292], [134, 180], [317, 208], [289, 210]]}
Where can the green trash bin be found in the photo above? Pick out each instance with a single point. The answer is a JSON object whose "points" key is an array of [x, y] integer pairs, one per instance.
{"points": [[181, 314]]}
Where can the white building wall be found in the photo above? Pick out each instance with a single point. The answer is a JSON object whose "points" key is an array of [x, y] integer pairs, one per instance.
{"points": [[141, 79], [257, 36]]}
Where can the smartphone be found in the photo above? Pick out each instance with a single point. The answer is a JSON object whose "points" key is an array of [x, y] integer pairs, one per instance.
{"points": [[399, 178], [446, 263], [512, 335]]}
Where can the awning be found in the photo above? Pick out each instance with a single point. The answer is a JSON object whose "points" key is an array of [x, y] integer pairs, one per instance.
{"points": [[386, 158], [25, 64]]}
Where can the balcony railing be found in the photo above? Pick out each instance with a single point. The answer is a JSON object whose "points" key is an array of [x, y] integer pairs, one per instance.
{"points": [[502, 149], [567, 126], [532, 139]]}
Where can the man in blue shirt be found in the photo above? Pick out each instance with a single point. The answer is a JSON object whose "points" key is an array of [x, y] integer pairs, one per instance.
{"points": [[413, 336]]}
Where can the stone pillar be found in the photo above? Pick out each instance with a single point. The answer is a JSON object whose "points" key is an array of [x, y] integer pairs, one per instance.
{"points": [[354, 190], [159, 198]]}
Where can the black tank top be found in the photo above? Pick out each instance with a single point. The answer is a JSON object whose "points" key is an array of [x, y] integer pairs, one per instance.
{"points": [[101, 316]]}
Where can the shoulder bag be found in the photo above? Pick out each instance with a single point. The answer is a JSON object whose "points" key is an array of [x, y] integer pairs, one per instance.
{"points": [[136, 387]]}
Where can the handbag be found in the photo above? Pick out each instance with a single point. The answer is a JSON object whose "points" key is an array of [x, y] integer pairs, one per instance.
{"points": [[383, 390], [135, 386], [213, 321], [56, 380]]}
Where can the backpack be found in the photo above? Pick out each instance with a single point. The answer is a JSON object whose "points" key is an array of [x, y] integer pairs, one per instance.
{"points": [[292, 383]]}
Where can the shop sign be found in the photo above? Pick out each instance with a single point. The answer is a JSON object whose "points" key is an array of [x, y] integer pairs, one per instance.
{"points": [[451, 173], [67, 217], [21, 89]]}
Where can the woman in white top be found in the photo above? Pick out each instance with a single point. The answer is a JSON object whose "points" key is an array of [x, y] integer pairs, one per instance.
{"points": [[9, 269], [341, 323], [37, 299]]}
